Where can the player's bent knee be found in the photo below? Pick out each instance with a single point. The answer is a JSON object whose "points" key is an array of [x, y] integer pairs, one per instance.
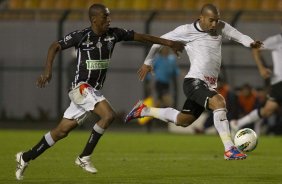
{"points": [[266, 113], [185, 120], [108, 119], [217, 102], [62, 134], [183, 124]]}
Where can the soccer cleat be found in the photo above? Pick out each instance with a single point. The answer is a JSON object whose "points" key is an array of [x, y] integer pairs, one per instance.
{"points": [[21, 166], [136, 111], [234, 154], [86, 164]]}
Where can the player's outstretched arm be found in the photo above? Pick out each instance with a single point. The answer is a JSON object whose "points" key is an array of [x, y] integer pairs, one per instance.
{"points": [[264, 72], [143, 71], [148, 63], [176, 46], [45, 78]]}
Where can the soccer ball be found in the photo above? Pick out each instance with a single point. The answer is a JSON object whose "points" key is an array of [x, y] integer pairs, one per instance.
{"points": [[246, 140]]}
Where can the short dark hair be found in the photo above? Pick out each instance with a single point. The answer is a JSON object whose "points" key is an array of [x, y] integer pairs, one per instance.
{"points": [[94, 8], [209, 7]]}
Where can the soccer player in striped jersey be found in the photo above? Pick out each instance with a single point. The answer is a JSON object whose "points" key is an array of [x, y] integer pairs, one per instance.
{"points": [[203, 40], [94, 46], [274, 101]]}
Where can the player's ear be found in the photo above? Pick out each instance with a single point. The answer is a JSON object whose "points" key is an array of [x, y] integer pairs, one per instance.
{"points": [[93, 19], [201, 17]]}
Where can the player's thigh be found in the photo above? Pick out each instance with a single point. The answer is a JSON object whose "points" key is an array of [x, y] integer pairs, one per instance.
{"points": [[67, 125], [63, 128], [189, 113], [197, 91], [269, 108], [104, 110]]}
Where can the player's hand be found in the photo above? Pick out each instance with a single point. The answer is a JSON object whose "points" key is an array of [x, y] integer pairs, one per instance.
{"points": [[43, 80], [265, 72], [256, 44], [177, 47], [143, 71]]}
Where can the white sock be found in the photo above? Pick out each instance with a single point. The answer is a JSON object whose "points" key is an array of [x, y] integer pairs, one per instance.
{"points": [[249, 118], [49, 139], [222, 126], [98, 129], [164, 114]]}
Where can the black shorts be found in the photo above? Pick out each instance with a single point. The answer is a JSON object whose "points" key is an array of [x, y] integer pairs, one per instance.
{"points": [[275, 93], [197, 93], [161, 89]]}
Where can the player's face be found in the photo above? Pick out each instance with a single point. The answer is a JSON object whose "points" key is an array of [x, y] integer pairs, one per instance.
{"points": [[209, 21], [102, 20]]}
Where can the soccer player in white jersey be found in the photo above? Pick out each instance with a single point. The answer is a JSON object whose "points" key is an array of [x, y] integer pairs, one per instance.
{"points": [[274, 101], [203, 40]]}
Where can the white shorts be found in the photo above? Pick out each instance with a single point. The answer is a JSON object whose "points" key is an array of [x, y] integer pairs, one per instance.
{"points": [[83, 99]]}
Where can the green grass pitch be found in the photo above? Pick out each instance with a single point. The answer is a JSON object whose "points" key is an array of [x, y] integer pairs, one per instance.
{"points": [[134, 157]]}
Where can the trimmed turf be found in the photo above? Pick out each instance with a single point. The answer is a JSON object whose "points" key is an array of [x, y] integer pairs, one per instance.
{"points": [[157, 158]]}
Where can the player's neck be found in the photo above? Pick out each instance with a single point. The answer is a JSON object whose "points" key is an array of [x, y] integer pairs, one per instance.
{"points": [[200, 26], [97, 31]]}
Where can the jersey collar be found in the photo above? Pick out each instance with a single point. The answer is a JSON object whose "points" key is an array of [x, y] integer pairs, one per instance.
{"points": [[197, 26], [95, 34]]}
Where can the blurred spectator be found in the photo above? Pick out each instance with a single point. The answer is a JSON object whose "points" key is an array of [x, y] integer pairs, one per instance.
{"points": [[165, 79], [166, 72], [248, 100]]}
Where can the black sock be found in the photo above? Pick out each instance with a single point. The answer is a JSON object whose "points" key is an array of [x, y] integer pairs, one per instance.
{"points": [[90, 145], [37, 150]]}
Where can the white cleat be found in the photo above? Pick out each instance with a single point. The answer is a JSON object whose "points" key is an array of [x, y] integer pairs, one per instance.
{"points": [[21, 166], [86, 164]]}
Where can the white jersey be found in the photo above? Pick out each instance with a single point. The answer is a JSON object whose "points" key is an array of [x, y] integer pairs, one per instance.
{"points": [[203, 49], [274, 44]]}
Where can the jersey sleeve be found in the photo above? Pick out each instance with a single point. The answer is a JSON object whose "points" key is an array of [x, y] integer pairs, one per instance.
{"points": [[231, 33], [272, 43], [178, 34], [123, 34], [70, 40]]}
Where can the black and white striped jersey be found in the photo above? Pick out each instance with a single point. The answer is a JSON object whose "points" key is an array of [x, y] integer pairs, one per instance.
{"points": [[94, 53]]}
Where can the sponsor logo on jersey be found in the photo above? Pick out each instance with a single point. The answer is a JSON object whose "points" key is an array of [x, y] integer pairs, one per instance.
{"points": [[211, 80], [97, 64], [109, 38]]}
